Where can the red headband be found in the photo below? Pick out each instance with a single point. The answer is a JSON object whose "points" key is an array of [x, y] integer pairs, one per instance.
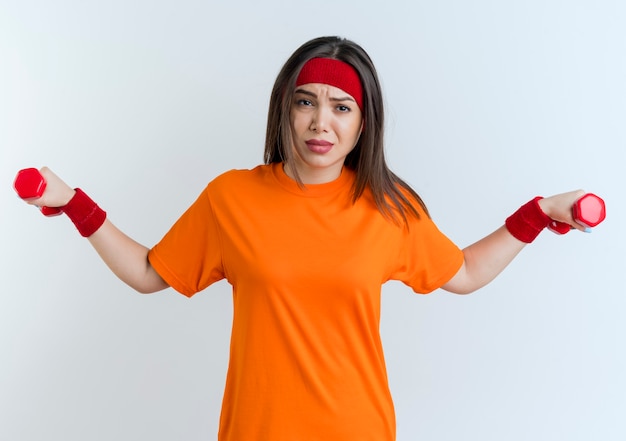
{"points": [[334, 73]]}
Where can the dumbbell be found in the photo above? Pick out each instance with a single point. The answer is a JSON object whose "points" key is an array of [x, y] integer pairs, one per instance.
{"points": [[30, 184], [589, 211]]}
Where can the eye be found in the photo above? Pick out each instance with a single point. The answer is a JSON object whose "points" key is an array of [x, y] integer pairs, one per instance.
{"points": [[303, 102], [342, 108]]}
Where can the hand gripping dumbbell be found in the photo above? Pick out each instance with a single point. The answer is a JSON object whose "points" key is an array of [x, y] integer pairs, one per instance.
{"points": [[30, 184], [589, 211]]}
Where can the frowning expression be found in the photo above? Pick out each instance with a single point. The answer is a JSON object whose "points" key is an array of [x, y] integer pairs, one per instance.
{"points": [[326, 123]]}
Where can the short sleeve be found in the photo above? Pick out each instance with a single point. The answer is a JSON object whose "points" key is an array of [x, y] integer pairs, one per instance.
{"points": [[189, 256], [428, 258]]}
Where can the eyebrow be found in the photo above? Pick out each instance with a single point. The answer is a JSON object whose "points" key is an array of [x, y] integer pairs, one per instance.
{"points": [[311, 94]]}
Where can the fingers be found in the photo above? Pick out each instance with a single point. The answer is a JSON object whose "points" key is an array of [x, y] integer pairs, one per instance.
{"points": [[57, 193], [566, 209], [559, 207], [577, 208]]}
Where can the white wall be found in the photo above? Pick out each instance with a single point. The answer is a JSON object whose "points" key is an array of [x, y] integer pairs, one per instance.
{"points": [[141, 103]]}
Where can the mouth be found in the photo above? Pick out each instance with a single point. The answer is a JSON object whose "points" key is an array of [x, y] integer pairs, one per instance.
{"points": [[319, 145]]}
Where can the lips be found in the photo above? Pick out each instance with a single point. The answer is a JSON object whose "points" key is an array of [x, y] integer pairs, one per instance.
{"points": [[319, 145]]}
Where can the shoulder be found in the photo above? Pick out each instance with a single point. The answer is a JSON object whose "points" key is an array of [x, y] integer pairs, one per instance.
{"points": [[242, 175], [404, 202], [242, 185], [239, 177]]}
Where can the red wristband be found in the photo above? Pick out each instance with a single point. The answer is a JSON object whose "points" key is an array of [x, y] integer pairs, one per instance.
{"points": [[528, 221], [84, 213]]}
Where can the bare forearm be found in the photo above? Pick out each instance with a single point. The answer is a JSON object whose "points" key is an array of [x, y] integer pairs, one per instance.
{"points": [[484, 260], [126, 258]]}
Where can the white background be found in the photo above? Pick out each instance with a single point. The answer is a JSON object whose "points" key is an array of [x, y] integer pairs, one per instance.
{"points": [[141, 103]]}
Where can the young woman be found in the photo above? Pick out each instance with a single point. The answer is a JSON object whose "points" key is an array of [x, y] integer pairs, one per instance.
{"points": [[307, 240]]}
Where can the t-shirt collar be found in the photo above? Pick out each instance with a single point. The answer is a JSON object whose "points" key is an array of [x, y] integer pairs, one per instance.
{"points": [[345, 180]]}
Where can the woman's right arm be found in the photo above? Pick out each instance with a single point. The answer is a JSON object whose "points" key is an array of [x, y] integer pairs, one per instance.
{"points": [[126, 258]]}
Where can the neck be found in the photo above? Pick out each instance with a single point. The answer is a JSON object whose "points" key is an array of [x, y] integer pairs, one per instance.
{"points": [[313, 176]]}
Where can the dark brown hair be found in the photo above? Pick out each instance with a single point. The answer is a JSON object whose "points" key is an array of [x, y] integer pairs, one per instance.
{"points": [[391, 194]]}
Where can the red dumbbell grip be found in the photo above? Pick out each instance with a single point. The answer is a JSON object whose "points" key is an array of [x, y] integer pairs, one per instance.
{"points": [[30, 184], [589, 211]]}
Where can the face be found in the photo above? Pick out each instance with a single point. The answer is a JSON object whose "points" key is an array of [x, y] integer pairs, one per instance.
{"points": [[326, 124]]}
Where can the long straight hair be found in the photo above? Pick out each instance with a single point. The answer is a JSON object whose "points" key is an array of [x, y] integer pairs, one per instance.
{"points": [[393, 197]]}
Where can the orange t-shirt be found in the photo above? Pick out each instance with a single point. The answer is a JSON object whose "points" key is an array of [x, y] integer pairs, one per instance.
{"points": [[306, 266]]}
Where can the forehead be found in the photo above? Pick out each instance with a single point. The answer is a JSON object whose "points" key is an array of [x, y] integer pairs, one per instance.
{"points": [[324, 90]]}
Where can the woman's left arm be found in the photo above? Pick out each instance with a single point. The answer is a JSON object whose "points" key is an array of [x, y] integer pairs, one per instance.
{"points": [[485, 259]]}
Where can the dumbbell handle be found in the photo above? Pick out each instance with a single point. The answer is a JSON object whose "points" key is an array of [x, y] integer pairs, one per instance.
{"points": [[30, 184], [589, 211]]}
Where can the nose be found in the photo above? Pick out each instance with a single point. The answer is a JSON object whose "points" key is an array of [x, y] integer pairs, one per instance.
{"points": [[320, 120]]}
